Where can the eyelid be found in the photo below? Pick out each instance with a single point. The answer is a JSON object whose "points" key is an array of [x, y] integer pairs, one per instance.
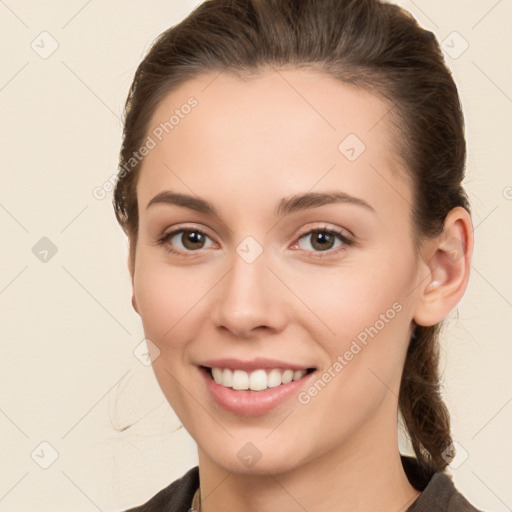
{"points": [[185, 227], [168, 234], [345, 233], [347, 240]]}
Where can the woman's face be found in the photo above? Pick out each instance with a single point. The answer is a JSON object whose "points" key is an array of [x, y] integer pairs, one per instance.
{"points": [[264, 280]]}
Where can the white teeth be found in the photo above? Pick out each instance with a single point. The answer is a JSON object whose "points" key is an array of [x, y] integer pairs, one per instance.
{"points": [[240, 380], [217, 375], [274, 378], [298, 374], [257, 380], [227, 377], [287, 376]]}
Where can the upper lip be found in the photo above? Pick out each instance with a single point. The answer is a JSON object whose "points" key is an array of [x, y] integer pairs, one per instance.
{"points": [[254, 364]]}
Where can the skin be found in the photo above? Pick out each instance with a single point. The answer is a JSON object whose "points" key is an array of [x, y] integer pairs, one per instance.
{"points": [[247, 145]]}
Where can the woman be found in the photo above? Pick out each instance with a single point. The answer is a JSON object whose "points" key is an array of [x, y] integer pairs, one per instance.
{"points": [[290, 184]]}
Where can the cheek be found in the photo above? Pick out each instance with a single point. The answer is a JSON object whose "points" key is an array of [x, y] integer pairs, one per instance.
{"points": [[337, 304], [351, 300], [164, 297]]}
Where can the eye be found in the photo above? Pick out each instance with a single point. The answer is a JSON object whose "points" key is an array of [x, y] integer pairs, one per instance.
{"points": [[185, 240], [323, 240]]}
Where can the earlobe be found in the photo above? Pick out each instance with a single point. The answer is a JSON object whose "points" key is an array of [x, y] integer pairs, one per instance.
{"points": [[131, 269], [134, 304], [446, 263]]}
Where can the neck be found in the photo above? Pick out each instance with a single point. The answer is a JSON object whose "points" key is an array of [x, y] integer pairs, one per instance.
{"points": [[369, 478]]}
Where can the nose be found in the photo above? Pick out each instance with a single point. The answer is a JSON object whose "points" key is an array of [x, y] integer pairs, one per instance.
{"points": [[249, 299]]}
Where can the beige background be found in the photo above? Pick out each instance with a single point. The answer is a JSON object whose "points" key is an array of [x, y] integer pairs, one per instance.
{"points": [[69, 376]]}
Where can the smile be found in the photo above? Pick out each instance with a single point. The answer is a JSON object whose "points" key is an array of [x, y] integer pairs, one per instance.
{"points": [[258, 388], [258, 380]]}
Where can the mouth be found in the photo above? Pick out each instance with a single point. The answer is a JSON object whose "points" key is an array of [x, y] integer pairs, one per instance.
{"points": [[254, 387], [257, 380], [256, 391]]}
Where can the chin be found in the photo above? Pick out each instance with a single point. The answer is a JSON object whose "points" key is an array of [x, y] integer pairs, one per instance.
{"points": [[243, 456]]}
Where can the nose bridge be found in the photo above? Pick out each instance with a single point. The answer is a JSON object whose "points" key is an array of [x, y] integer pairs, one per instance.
{"points": [[249, 296]]}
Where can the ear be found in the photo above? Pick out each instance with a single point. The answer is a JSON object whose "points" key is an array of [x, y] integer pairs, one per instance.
{"points": [[132, 275], [446, 261], [134, 304]]}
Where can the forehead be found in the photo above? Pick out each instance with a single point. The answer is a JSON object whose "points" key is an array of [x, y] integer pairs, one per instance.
{"points": [[279, 127]]}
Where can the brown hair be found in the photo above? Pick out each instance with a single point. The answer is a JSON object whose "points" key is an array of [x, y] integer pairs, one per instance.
{"points": [[370, 44]]}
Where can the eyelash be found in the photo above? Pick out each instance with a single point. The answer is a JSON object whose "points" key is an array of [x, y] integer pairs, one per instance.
{"points": [[347, 242]]}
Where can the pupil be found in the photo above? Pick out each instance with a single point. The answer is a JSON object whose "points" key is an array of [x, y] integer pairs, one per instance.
{"points": [[194, 239], [322, 239]]}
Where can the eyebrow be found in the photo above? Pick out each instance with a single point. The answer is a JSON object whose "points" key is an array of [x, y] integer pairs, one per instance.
{"points": [[285, 207]]}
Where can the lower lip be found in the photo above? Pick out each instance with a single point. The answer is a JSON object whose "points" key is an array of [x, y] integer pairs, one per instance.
{"points": [[252, 403]]}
